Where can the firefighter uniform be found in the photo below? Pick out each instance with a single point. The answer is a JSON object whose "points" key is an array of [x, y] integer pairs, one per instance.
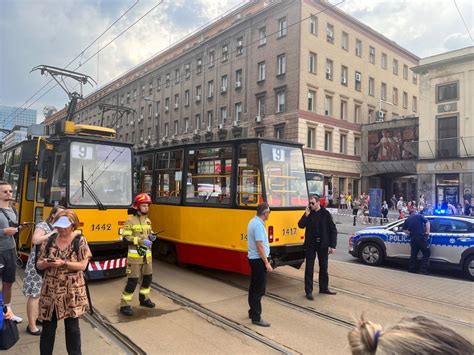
{"points": [[137, 231]]}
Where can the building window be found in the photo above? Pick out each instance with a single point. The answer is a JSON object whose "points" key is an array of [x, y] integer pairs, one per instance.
{"points": [[328, 105], [329, 69], [371, 86], [198, 122], [260, 133], [187, 95], [261, 71], [383, 91], [176, 76], [281, 101], [415, 78], [357, 113], [358, 81], [343, 110], [223, 114], [238, 111], [167, 130], [356, 146], [447, 92], [345, 41], [212, 57], [328, 141], [262, 36], [343, 144], [168, 80], [224, 83], [280, 132], [176, 127], [371, 115], [405, 100], [447, 143], [405, 71], [344, 74], [372, 55], [395, 97], [415, 104], [186, 125], [240, 46], [198, 93], [395, 67], [150, 111], [187, 70], [225, 52], [176, 101], [384, 61], [312, 63], [281, 64], [282, 27], [330, 33], [358, 48], [238, 78], [167, 104], [261, 106], [199, 65], [313, 25], [210, 89], [210, 117], [311, 98], [311, 138], [158, 84]]}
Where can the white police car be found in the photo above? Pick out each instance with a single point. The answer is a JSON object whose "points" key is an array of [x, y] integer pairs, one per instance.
{"points": [[451, 243]]}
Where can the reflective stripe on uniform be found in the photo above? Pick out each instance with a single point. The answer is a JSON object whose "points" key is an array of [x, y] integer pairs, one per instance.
{"points": [[132, 253], [127, 232], [145, 291], [127, 296], [137, 227]]}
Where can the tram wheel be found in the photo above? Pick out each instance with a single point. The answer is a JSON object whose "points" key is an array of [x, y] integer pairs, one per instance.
{"points": [[165, 251]]}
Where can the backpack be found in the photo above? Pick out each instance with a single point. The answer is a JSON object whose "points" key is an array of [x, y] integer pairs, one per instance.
{"points": [[75, 248]]}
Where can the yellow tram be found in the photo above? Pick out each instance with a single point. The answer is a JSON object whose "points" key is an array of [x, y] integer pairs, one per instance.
{"points": [[82, 168], [204, 195]]}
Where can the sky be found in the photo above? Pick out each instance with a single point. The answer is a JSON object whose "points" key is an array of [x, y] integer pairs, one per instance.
{"points": [[53, 32]]}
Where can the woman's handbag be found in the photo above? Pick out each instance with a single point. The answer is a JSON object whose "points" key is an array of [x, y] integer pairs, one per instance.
{"points": [[8, 330]]}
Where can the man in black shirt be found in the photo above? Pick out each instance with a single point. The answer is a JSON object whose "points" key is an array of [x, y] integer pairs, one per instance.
{"points": [[320, 238], [418, 227]]}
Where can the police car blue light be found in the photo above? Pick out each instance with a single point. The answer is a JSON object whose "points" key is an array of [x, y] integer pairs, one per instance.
{"points": [[451, 243]]}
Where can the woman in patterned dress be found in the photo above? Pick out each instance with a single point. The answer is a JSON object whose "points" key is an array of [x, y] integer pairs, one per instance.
{"points": [[32, 281], [63, 294]]}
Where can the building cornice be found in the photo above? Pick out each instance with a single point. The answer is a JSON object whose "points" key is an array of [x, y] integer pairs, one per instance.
{"points": [[420, 69]]}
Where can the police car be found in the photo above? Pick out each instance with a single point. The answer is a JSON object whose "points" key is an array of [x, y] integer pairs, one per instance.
{"points": [[451, 243]]}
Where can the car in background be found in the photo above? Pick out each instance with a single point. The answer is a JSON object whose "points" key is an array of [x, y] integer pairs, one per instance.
{"points": [[451, 243]]}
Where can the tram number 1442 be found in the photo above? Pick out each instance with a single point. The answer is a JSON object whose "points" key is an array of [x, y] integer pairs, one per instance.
{"points": [[101, 227]]}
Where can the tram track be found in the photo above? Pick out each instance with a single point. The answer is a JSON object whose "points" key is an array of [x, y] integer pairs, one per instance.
{"points": [[102, 324], [222, 320]]}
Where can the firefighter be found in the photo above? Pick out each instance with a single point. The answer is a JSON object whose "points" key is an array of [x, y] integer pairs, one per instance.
{"points": [[139, 235]]}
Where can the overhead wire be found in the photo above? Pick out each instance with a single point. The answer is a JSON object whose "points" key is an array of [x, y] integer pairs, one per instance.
{"points": [[463, 20]]}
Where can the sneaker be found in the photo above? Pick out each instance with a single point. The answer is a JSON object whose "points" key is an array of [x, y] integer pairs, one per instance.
{"points": [[17, 319], [310, 296], [147, 303], [261, 323]]}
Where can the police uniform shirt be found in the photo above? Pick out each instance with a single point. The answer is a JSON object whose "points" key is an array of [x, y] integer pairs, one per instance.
{"points": [[415, 224]]}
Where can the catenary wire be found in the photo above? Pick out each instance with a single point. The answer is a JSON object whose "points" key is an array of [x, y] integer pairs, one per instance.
{"points": [[463, 21]]}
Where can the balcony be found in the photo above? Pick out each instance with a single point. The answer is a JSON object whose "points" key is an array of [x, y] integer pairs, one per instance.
{"points": [[446, 148]]}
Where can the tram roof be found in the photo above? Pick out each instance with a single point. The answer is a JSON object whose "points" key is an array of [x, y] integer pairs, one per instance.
{"points": [[220, 143]]}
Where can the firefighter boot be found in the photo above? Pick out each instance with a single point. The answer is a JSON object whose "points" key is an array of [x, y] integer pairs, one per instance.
{"points": [[146, 302], [127, 311]]}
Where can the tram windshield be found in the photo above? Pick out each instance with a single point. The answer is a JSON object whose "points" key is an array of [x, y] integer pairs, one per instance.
{"points": [[105, 168], [284, 175], [316, 185]]}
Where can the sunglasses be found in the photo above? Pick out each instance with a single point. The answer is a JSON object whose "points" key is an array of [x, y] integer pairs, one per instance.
{"points": [[311, 203]]}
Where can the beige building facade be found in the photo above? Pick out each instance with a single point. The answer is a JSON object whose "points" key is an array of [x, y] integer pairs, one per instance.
{"points": [[446, 150], [298, 70]]}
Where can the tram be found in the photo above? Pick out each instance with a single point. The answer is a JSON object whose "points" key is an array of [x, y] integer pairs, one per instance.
{"points": [[316, 186], [80, 167], [205, 194]]}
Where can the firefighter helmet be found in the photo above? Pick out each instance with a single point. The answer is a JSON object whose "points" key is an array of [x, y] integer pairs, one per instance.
{"points": [[141, 198]]}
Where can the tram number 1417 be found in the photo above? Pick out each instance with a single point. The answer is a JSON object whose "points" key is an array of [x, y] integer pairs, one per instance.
{"points": [[101, 227], [289, 231]]}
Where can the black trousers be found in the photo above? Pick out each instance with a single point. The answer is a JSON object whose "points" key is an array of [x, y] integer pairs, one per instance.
{"points": [[73, 336], [258, 285], [418, 243], [323, 258]]}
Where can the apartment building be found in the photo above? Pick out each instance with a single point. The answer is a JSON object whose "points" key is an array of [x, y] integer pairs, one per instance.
{"points": [[446, 149], [296, 70]]}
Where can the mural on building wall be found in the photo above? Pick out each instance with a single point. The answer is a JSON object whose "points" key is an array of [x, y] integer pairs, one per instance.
{"points": [[393, 144]]}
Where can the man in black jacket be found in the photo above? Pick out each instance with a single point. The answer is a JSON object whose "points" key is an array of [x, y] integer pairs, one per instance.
{"points": [[320, 238]]}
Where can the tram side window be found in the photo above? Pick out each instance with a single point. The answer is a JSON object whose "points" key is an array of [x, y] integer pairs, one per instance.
{"points": [[12, 169], [169, 176], [249, 187], [30, 187], [58, 183], [209, 176], [146, 173], [44, 174]]}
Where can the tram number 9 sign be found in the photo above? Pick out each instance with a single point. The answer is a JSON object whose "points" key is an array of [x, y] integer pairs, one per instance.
{"points": [[82, 151], [278, 154]]}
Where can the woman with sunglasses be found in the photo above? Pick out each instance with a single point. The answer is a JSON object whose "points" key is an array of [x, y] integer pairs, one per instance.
{"points": [[63, 295], [33, 281]]}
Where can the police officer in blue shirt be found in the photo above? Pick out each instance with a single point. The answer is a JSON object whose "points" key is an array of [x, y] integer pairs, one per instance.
{"points": [[258, 252], [418, 227]]}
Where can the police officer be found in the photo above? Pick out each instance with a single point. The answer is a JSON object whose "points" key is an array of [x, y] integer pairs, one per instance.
{"points": [[418, 227], [139, 235]]}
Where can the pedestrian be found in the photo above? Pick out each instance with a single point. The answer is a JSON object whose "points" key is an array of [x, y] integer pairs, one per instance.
{"points": [[394, 202], [384, 211], [451, 209], [9, 227], [258, 253], [418, 227], [63, 258], [421, 201], [410, 207], [140, 236], [400, 205], [343, 200], [410, 336], [33, 281], [365, 209], [321, 239], [349, 200], [467, 208], [355, 210]]}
